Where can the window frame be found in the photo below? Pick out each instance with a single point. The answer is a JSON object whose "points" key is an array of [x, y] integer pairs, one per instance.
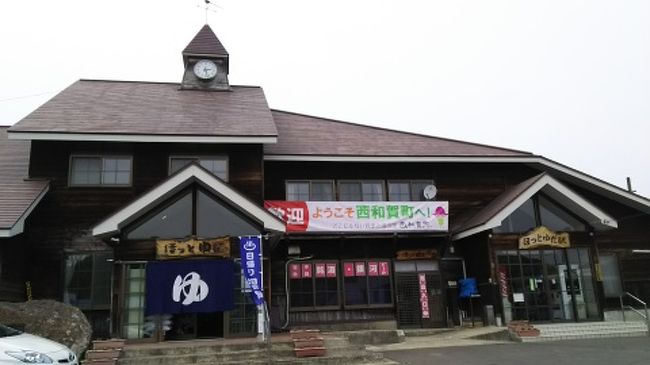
{"points": [[101, 157], [309, 182], [410, 183], [95, 257], [197, 158], [367, 278], [339, 286], [361, 182]]}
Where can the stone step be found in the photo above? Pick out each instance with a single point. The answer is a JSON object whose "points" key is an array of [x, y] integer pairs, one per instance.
{"points": [[194, 349], [584, 335], [170, 358]]}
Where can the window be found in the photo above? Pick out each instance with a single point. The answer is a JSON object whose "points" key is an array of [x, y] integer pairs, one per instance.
{"points": [[314, 285], [310, 190], [88, 280], [407, 190], [540, 210], [361, 191], [100, 170], [218, 165], [367, 283], [193, 212]]}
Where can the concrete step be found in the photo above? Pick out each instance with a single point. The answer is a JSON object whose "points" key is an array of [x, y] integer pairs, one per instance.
{"points": [[569, 331]]}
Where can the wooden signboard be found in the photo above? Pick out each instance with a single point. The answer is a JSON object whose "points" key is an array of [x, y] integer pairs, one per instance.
{"points": [[173, 249], [543, 237], [423, 254]]}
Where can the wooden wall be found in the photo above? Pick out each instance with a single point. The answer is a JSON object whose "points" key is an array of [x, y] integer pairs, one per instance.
{"points": [[63, 220]]}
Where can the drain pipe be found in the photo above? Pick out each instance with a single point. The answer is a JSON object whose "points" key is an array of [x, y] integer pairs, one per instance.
{"points": [[286, 285]]}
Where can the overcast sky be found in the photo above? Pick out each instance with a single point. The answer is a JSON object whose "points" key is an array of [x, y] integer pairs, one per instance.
{"points": [[568, 79]]}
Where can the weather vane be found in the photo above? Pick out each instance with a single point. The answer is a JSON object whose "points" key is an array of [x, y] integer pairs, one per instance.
{"points": [[209, 7]]}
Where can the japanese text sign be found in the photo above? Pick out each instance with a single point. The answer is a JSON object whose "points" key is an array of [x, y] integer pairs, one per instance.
{"points": [[171, 249], [251, 265], [424, 296], [380, 216], [542, 236]]}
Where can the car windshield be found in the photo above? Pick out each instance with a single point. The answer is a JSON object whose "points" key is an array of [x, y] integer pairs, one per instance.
{"points": [[8, 331]]}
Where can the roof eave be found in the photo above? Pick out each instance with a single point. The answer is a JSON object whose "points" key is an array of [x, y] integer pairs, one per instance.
{"points": [[19, 226], [147, 138]]}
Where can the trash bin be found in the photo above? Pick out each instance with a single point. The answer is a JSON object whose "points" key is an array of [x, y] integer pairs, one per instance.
{"points": [[488, 315]]}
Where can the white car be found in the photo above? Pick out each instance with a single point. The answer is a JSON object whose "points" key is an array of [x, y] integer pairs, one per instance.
{"points": [[17, 347]]}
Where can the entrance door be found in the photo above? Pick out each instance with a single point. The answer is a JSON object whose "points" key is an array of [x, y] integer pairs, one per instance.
{"points": [[191, 326], [409, 300], [549, 285]]}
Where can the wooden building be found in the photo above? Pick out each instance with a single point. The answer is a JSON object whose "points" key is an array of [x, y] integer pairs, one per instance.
{"points": [[359, 224]]}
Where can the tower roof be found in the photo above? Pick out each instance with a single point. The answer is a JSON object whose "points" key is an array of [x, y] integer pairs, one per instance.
{"points": [[205, 42]]}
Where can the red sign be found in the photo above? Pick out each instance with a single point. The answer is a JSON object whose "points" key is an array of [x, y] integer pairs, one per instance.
{"points": [[348, 269], [384, 269], [331, 270], [294, 271], [373, 269], [360, 268], [306, 271], [503, 281], [294, 214], [424, 296], [320, 270]]}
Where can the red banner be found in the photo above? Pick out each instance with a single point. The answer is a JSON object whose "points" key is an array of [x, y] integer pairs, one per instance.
{"points": [[424, 296], [306, 271], [320, 270], [373, 268], [331, 270], [294, 271], [360, 268], [503, 281], [348, 269], [384, 268]]}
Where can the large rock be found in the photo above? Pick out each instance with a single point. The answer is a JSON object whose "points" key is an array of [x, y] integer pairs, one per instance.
{"points": [[50, 319]]}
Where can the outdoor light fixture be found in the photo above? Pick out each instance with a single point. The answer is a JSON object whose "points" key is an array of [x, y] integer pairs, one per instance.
{"points": [[640, 251]]}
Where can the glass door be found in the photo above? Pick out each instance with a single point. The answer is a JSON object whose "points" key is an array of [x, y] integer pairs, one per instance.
{"points": [[131, 301]]}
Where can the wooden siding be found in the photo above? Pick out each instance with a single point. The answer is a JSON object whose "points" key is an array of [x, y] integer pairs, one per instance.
{"points": [[63, 220]]}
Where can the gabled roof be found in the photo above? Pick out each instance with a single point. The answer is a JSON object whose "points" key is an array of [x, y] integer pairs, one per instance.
{"points": [[303, 135], [18, 197], [93, 110], [173, 184], [493, 214], [205, 42]]}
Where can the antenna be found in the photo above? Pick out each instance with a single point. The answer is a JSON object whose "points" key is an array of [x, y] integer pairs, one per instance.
{"points": [[208, 6]]}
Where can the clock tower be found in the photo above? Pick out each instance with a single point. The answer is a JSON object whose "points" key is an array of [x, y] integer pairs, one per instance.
{"points": [[206, 63]]}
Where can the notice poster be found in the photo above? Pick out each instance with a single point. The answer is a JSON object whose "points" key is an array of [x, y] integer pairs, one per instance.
{"points": [[320, 270], [373, 268], [384, 268], [331, 270], [348, 269], [294, 271], [306, 271], [360, 268]]}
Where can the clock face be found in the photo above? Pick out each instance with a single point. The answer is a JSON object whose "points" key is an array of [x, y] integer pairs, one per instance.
{"points": [[430, 192], [205, 69]]}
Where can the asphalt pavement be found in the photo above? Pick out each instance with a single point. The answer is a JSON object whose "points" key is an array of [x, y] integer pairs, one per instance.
{"points": [[605, 351]]}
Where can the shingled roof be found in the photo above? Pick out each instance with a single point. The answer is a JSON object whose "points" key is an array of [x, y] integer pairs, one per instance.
{"points": [[101, 109], [307, 135], [17, 195], [205, 42]]}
